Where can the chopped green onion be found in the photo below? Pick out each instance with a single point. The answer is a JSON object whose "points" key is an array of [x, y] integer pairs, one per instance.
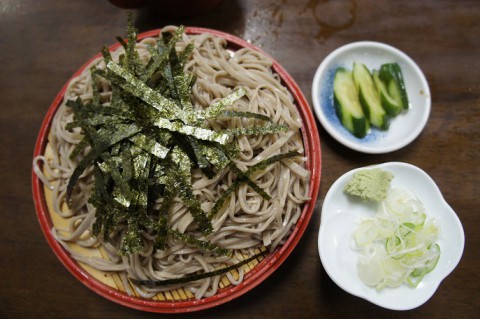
{"points": [[402, 252]]}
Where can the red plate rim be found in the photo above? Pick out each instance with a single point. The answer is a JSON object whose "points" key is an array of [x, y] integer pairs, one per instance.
{"points": [[254, 277]]}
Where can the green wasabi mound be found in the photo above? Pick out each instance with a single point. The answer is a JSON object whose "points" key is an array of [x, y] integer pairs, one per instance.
{"points": [[369, 184]]}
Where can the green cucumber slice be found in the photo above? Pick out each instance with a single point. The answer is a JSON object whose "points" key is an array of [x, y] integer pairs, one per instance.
{"points": [[369, 97], [391, 105], [392, 74], [347, 104]]}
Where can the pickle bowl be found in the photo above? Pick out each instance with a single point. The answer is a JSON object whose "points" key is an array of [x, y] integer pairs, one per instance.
{"points": [[341, 216], [402, 128]]}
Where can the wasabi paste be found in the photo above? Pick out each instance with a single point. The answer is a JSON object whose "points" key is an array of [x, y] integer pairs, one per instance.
{"points": [[369, 184]]}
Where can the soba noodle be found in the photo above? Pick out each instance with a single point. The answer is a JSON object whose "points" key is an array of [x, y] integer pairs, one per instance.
{"points": [[246, 224]]}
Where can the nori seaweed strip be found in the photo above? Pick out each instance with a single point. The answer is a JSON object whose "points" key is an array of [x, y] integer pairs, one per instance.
{"points": [[182, 160], [216, 108], [131, 243], [93, 110], [150, 145], [163, 216], [168, 108], [165, 47], [121, 41], [97, 150], [156, 60], [229, 113], [259, 166], [200, 159], [269, 161], [186, 194], [158, 173], [198, 276], [258, 130], [136, 213], [99, 196], [191, 146], [80, 147], [183, 83], [168, 76], [181, 180], [201, 244], [223, 198], [246, 179], [95, 86], [94, 121], [115, 151], [130, 46], [122, 193], [232, 149], [170, 39], [140, 69], [185, 54], [164, 137], [127, 163], [155, 72], [175, 65], [195, 131], [215, 154], [141, 172], [107, 56], [76, 105]]}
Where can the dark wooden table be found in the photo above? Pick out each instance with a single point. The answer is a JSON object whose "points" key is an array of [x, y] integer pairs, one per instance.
{"points": [[43, 42]]}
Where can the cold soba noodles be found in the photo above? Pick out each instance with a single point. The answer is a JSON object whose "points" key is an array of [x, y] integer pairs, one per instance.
{"points": [[258, 213]]}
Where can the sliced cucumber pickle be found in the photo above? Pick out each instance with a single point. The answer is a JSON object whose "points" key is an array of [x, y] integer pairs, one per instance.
{"points": [[390, 104], [347, 104], [392, 74], [363, 98], [369, 97]]}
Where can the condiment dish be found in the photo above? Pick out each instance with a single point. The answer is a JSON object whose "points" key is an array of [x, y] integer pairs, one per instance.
{"points": [[403, 128], [340, 217]]}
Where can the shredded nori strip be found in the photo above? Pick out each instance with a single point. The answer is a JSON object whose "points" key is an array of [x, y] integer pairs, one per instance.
{"points": [[97, 150], [244, 178], [132, 242], [195, 131], [186, 194], [79, 148], [145, 142], [198, 276], [259, 130], [201, 244], [150, 145], [229, 113], [218, 107], [163, 215], [168, 109], [93, 121]]}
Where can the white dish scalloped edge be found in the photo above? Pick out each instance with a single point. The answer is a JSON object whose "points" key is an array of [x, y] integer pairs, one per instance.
{"points": [[340, 215], [404, 128]]}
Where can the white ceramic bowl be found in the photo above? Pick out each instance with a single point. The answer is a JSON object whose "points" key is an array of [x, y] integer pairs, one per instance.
{"points": [[340, 217], [404, 128]]}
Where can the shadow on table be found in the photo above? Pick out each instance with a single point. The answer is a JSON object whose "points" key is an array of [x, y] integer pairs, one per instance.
{"points": [[221, 15]]}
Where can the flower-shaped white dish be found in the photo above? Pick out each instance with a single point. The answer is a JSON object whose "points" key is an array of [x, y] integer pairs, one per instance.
{"points": [[341, 214], [404, 128]]}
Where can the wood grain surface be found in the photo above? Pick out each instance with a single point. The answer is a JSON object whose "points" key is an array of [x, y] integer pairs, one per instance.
{"points": [[42, 43]]}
